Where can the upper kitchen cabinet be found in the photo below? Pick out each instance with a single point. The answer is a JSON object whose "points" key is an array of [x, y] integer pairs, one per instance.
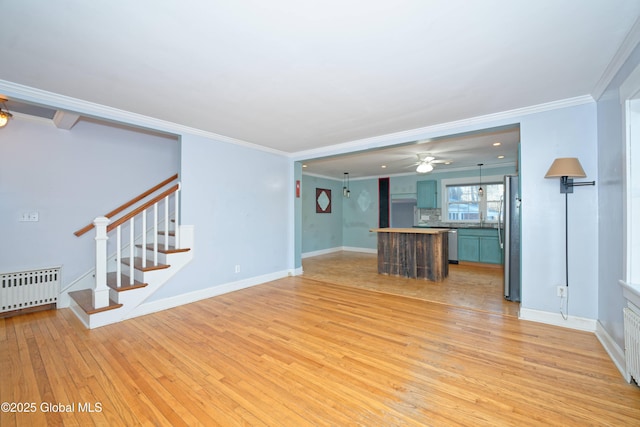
{"points": [[427, 194]]}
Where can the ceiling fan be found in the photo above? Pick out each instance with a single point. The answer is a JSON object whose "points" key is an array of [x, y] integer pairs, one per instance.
{"points": [[425, 164]]}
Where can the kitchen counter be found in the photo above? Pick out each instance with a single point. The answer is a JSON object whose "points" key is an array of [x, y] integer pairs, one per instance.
{"points": [[418, 253], [460, 227], [421, 230]]}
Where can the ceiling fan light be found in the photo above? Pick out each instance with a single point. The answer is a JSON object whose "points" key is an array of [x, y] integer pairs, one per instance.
{"points": [[424, 167]]}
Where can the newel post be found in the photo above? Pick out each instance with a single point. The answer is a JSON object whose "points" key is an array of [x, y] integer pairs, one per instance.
{"points": [[101, 291]]}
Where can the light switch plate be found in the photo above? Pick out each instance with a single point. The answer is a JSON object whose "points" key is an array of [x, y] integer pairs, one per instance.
{"points": [[30, 216]]}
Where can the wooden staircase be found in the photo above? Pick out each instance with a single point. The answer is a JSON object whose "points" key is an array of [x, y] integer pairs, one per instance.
{"points": [[139, 273]]}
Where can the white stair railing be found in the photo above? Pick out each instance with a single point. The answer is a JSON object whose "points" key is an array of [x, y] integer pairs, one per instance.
{"points": [[136, 218]]}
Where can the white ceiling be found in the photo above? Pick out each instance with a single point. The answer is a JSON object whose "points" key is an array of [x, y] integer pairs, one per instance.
{"points": [[461, 152], [296, 75]]}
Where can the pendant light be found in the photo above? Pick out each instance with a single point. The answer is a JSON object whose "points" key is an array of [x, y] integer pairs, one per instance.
{"points": [[345, 185], [480, 190]]}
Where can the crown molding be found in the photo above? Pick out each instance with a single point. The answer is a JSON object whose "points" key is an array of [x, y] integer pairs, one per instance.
{"points": [[624, 51], [109, 114], [438, 172], [419, 133], [317, 175]]}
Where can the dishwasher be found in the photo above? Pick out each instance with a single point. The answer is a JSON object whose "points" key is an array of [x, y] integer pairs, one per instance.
{"points": [[453, 246]]}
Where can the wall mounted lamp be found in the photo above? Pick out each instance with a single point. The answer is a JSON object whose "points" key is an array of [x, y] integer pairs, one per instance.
{"points": [[567, 168], [345, 185], [4, 115]]}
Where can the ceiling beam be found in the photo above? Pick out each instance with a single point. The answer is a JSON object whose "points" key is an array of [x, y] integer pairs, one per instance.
{"points": [[65, 120]]}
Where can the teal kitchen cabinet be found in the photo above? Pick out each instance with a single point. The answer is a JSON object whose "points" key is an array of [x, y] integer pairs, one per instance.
{"points": [[468, 248], [427, 194], [479, 245]]}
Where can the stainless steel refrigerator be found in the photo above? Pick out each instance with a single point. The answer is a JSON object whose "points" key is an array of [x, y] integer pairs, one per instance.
{"points": [[510, 237]]}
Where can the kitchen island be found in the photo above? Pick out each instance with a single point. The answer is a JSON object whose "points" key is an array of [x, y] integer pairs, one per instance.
{"points": [[418, 253]]}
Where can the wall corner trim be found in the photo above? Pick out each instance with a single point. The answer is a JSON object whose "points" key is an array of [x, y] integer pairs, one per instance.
{"points": [[613, 349], [630, 42]]}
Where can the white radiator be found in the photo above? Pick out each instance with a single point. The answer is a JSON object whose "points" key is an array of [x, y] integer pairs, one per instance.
{"points": [[632, 343], [26, 289]]}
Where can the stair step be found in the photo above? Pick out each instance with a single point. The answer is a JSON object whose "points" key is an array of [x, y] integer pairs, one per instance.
{"points": [[171, 233], [137, 264], [84, 299], [124, 282], [162, 250]]}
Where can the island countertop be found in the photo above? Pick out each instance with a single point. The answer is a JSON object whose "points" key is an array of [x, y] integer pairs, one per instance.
{"points": [[421, 230]]}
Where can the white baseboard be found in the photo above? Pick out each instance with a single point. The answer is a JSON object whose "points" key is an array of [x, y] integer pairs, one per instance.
{"points": [[613, 349], [338, 249], [556, 319], [362, 250], [321, 252], [171, 302]]}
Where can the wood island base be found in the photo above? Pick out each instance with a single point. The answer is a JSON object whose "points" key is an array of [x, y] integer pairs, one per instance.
{"points": [[413, 252]]}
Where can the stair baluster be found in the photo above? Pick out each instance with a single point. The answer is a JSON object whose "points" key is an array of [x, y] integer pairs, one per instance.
{"points": [[176, 215], [132, 249], [166, 224], [155, 234], [143, 255], [118, 257]]}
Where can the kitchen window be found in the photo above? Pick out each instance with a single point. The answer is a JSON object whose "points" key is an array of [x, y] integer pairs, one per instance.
{"points": [[463, 202]]}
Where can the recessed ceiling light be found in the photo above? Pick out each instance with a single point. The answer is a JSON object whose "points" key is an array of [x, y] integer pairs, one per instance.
{"points": [[383, 166], [447, 163], [304, 166], [497, 144], [501, 157]]}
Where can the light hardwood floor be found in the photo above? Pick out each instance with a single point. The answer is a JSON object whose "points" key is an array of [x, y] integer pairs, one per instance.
{"points": [[478, 286], [303, 352]]}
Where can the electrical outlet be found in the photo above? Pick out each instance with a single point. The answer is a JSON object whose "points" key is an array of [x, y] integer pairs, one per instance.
{"points": [[237, 268], [562, 291]]}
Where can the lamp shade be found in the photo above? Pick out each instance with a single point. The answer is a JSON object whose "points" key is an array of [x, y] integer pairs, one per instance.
{"points": [[566, 166]]}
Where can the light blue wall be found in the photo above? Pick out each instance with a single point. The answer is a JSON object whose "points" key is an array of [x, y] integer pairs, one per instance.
{"points": [[611, 170], [70, 177], [565, 132], [360, 214], [237, 199], [321, 231]]}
